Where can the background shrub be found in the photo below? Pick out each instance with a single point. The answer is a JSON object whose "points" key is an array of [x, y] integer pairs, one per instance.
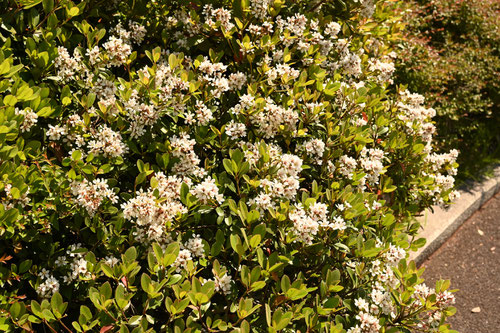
{"points": [[451, 55], [234, 166]]}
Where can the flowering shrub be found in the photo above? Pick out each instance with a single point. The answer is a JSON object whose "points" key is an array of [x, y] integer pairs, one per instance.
{"points": [[229, 166], [451, 56]]}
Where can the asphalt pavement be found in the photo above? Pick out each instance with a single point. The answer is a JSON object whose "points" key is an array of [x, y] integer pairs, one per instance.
{"points": [[470, 258]]}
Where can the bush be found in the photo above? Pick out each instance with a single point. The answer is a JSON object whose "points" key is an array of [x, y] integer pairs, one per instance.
{"points": [[451, 56], [235, 166]]}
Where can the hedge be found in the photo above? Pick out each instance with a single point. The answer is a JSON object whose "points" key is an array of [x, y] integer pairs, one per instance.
{"points": [[206, 166], [451, 55]]}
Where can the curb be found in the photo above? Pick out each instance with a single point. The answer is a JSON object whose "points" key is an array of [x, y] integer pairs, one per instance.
{"points": [[439, 225]]}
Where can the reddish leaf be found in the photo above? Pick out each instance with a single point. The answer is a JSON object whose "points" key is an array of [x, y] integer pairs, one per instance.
{"points": [[4, 258], [106, 328]]}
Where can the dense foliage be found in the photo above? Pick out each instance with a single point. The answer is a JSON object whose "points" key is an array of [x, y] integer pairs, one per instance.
{"points": [[180, 166], [451, 55]]}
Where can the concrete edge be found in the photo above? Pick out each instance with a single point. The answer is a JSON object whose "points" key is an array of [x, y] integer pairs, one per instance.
{"points": [[439, 225]]}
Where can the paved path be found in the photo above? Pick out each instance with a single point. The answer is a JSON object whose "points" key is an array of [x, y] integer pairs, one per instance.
{"points": [[471, 260]]}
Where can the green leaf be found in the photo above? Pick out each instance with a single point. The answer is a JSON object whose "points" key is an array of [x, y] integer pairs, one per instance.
{"points": [[255, 240], [45, 112], [145, 282], [228, 166], [48, 315], [15, 193], [171, 254], [73, 11], [10, 100], [30, 3], [130, 254], [85, 311], [48, 5], [108, 271], [76, 155], [105, 290], [4, 67], [15, 310], [56, 302], [25, 93], [25, 265], [236, 244], [295, 294], [257, 285]]}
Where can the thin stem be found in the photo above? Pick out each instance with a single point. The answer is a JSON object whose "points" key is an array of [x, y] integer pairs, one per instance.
{"points": [[109, 314], [51, 328], [63, 325]]}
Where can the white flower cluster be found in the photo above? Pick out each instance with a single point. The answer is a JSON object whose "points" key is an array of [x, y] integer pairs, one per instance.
{"points": [[207, 192], [416, 115], [140, 115], [117, 50], [446, 181], [107, 142], [272, 117], [318, 211], [136, 32], [67, 67], [351, 64], [167, 82], [222, 15], [385, 69], [237, 80], [202, 112], [371, 161], [189, 250], [304, 226], [105, 90], [281, 72], [151, 215], [49, 286], [55, 132], [182, 260], [195, 245], [306, 223], [347, 165], [222, 280], [75, 264], [90, 195], [111, 261], [10, 202], [235, 130], [315, 148], [337, 223], [430, 320], [438, 161], [259, 8], [348, 62], [78, 268], [263, 201], [332, 29], [380, 299], [284, 184], [183, 148], [287, 182], [223, 283], [30, 118], [212, 74], [74, 133], [367, 7]]}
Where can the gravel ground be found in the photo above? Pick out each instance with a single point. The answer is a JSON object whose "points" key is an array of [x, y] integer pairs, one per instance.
{"points": [[471, 260]]}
